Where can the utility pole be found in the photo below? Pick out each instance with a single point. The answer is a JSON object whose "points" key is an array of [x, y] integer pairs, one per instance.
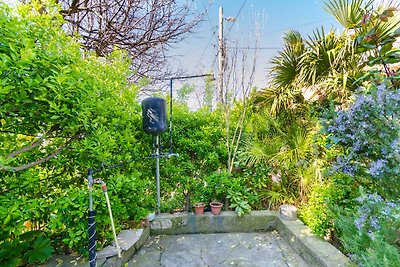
{"points": [[220, 90], [221, 97]]}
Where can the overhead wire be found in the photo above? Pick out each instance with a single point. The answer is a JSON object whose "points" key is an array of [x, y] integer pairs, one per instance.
{"points": [[297, 26], [208, 15], [208, 44], [262, 48], [237, 15], [254, 48], [213, 31]]}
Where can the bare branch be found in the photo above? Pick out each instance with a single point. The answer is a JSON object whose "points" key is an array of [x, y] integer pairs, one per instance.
{"points": [[35, 144], [24, 149], [43, 160], [239, 77], [145, 28]]}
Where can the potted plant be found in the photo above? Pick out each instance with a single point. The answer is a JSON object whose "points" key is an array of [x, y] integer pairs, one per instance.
{"points": [[199, 208], [216, 207]]}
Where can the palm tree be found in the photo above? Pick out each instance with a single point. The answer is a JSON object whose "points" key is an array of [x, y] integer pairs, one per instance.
{"points": [[329, 64], [287, 149], [284, 93]]}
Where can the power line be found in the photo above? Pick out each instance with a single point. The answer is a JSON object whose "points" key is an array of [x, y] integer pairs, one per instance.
{"points": [[230, 28], [296, 26], [237, 15], [254, 48], [207, 13], [213, 30], [208, 43], [262, 48], [214, 61]]}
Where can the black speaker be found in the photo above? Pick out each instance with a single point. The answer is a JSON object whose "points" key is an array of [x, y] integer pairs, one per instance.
{"points": [[154, 113]]}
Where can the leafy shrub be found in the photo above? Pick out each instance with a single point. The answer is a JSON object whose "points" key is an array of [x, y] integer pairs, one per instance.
{"points": [[231, 189], [134, 193], [32, 247], [217, 185], [70, 111], [21, 240], [198, 138], [129, 202], [372, 236], [280, 155], [318, 213], [239, 201]]}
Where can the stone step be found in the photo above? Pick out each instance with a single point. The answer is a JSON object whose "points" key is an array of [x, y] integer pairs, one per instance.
{"points": [[128, 238], [129, 242]]}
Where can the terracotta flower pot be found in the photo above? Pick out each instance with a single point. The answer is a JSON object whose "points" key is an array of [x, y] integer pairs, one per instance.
{"points": [[216, 207], [199, 208]]}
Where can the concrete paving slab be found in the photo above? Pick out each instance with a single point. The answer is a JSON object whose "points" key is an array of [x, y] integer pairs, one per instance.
{"points": [[219, 250]]}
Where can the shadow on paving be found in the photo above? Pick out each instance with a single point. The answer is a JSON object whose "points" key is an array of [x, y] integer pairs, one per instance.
{"points": [[230, 249]]}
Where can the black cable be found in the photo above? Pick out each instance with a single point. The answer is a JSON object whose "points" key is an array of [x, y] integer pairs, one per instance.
{"points": [[254, 48], [237, 15], [108, 167], [208, 44]]}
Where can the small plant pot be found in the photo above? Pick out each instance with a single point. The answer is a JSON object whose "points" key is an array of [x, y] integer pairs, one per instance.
{"points": [[216, 207], [199, 208]]}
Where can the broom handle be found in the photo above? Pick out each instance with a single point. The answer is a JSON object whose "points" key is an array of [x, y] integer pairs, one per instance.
{"points": [[104, 187]]}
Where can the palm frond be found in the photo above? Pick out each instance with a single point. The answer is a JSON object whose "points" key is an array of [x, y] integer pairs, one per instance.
{"points": [[385, 28], [282, 99], [285, 64], [348, 12], [323, 49]]}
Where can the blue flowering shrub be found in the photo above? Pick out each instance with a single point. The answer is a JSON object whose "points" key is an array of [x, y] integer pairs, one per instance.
{"points": [[369, 132], [368, 135], [372, 236]]}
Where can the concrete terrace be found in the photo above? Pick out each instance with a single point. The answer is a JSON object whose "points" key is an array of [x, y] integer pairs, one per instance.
{"points": [[261, 238], [224, 249]]}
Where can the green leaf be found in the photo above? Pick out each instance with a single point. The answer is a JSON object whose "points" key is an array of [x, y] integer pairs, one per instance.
{"points": [[386, 48], [42, 250]]}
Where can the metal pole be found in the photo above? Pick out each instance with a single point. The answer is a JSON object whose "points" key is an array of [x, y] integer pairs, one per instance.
{"points": [[158, 172], [92, 223], [170, 116], [220, 96]]}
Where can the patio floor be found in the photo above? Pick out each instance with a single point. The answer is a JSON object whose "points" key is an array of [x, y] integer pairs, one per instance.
{"points": [[229, 249]]}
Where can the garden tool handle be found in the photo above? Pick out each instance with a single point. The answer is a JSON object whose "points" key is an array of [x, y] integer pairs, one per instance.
{"points": [[104, 188]]}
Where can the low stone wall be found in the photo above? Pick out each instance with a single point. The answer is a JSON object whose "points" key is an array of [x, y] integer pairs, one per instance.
{"points": [[226, 222], [313, 249], [130, 241]]}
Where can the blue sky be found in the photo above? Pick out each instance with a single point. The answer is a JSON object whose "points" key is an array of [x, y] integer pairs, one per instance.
{"points": [[197, 53]]}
